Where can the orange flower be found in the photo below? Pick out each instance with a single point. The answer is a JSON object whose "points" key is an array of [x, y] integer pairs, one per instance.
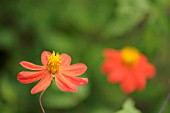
{"points": [[54, 66], [128, 67]]}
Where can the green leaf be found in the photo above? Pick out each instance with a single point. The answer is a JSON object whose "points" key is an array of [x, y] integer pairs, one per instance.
{"points": [[128, 107]]}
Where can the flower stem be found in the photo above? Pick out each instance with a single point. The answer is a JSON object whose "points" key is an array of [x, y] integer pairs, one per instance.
{"points": [[40, 101], [165, 103]]}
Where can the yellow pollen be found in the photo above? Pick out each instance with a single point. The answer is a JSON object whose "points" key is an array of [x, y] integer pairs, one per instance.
{"points": [[130, 55], [54, 62]]}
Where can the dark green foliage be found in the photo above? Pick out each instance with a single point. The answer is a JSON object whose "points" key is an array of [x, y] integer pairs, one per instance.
{"points": [[82, 28]]}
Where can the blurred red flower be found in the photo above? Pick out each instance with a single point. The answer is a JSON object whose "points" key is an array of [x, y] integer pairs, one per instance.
{"points": [[128, 67], [54, 66]]}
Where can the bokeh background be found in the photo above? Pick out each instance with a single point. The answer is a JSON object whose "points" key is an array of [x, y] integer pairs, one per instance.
{"points": [[83, 29]]}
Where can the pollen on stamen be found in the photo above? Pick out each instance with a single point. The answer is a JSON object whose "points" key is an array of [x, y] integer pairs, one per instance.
{"points": [[54, 61], [130, 55]]}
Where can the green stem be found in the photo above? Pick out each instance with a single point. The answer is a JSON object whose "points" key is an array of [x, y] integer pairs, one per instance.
{"points": [[40, 101], [165, 103]]}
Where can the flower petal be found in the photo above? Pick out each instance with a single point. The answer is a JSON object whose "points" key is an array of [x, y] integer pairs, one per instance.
{"points": [[107, 66], [111, 53], [128, 85], [43, 84], [140, 81], [147, 68], [29, 77], [76, 81], [110, 64], [31, 66], [63, 84], [74, 70], [117, 75], [65, 60], [44, 57]]}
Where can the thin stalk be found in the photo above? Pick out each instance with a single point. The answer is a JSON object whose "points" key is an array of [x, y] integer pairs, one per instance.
{"points": [[165, 103], [40, 101]]}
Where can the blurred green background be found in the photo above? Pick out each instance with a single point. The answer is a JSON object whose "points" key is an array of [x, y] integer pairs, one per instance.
{"points": [[83, 29]]}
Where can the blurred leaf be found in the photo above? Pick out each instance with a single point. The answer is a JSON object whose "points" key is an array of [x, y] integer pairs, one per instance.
{"points": [[82, 28], [8, 91], [150, 93], [7, 38], [128, 14], [157, 26], [58, 42], [128, 107], [86, 15], [101, 109], [163, 3], [9, 95], [63, 100]]}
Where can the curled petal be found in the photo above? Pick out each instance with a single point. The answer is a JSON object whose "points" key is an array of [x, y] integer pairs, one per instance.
{"points": [[74, 70], [31, 66], [44, 57], [42, 84], [63, 84], [29, 77], [65, 60], [128, 85]]}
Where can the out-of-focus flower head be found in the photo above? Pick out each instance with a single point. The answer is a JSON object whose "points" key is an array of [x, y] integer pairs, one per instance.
{"points": [[54, 66], [128, 67]]}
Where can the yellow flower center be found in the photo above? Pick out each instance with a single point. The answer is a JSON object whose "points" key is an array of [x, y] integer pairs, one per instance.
{"points": [[54, 62], [130, 55]]}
